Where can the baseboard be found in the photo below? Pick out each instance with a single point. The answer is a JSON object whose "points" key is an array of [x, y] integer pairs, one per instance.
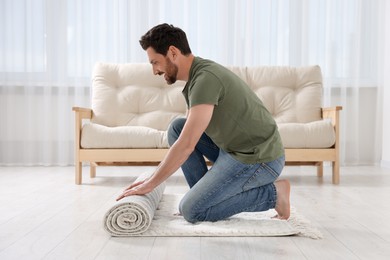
{"points": [[385, 164]]}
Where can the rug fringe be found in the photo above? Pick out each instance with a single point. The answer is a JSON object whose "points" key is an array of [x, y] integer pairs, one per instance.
{"points": [[303, 226]]}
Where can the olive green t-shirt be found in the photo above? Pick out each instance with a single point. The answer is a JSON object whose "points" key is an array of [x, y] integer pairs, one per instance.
{"points": [[240, 124]]}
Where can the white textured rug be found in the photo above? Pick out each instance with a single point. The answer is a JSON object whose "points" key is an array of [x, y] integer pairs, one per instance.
{"points": [[164, 221]]}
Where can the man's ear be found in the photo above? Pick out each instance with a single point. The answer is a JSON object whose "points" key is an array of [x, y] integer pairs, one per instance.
{"points": [[173, 51]]}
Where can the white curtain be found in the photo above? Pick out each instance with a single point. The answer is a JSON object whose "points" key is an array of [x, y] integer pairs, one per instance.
{"points": [[48, 48]]}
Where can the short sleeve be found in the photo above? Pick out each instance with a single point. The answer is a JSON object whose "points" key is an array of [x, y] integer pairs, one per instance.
{"points": [[206, 89]]}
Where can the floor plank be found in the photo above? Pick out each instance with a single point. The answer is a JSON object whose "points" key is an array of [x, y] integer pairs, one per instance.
{"points": [[188, 248]]}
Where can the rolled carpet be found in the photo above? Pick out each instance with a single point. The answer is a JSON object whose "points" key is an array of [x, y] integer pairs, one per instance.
{"points": [[133, 215]]}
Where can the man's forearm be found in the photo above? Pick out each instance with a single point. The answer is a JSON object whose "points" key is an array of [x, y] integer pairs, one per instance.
{"points": [[176, 156], [196, 124]]}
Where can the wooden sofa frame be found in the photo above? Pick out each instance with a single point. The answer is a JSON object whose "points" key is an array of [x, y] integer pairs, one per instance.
{"points": [[125, 157]]}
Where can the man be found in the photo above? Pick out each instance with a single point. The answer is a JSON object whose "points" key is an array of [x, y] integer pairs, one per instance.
{"points": [[226, 123]]}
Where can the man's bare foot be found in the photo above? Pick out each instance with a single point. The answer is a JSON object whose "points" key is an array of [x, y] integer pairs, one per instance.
{"points": [[282, 206]]}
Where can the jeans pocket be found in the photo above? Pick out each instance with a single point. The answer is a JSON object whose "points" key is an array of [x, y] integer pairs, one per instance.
{"points": [[264, 174]]}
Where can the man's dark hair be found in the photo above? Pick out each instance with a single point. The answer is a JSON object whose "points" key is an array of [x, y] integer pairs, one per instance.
{"points": [[164, 35]]}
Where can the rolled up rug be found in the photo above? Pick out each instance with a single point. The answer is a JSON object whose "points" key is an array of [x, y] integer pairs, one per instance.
{"points": [[133, 215]]}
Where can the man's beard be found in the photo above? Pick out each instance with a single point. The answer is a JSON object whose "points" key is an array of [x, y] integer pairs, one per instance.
{"points": [[170, 72]]}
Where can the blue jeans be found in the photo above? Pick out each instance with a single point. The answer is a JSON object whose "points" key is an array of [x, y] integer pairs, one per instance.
{"points": [[229, 187]]}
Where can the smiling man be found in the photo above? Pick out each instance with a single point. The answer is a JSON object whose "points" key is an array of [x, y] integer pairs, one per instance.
{"points": [[226, 123]]}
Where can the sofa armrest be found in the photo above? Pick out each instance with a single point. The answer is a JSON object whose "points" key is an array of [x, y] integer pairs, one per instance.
{"points": [[332, 113], [82, 112]]}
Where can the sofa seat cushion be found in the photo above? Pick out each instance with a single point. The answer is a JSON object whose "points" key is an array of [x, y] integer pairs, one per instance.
{"points": [[317, 134], [99, 136]]}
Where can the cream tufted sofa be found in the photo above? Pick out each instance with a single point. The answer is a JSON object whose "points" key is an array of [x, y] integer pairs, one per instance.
{"points": [[132, 109]]}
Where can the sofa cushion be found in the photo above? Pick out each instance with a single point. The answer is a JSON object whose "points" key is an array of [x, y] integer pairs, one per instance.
{"points": [[319, 134], [99, 136], [130, 95], [291, 94]]}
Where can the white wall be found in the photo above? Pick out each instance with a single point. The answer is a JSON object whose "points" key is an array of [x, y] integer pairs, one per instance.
{"points": [[386, 125], [386, 120], [386, 95], [37, 124]]}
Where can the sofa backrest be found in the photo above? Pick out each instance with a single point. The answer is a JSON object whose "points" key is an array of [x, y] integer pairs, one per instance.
{"points": [[291, 94], [130, 95]]}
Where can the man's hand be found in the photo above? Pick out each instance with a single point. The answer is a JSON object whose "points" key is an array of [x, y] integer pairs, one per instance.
{"points": [[199, 117], [137, 188]]}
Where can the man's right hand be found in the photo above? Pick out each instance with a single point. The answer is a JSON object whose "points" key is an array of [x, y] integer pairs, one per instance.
{"points": [[137, 188]]}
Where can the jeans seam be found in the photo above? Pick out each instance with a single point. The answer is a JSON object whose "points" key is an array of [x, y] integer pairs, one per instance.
{"points": [[270, 169], [275, 194]]}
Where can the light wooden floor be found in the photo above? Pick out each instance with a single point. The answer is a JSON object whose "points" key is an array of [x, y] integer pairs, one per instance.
{"points": [[43, 215]]}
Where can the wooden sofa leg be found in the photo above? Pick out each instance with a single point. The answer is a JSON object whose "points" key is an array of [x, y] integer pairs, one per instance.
{"points": [[79, 172], [320, 169], [92, 170], [335, 172]]}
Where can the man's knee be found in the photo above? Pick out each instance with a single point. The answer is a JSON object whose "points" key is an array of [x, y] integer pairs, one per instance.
{"points": [[175, 129], [187, 210], [187, 214]]}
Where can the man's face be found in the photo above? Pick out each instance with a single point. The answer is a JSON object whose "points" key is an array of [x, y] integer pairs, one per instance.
{"points": [[162, 65]]}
